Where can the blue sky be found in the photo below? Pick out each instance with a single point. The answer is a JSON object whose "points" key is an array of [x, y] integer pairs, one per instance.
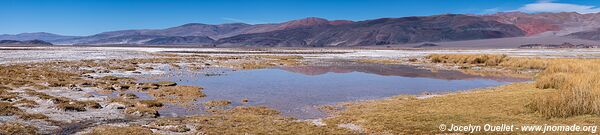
{"points": [[86, 17]]}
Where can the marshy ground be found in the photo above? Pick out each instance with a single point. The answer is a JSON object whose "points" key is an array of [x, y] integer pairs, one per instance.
{"points": [[80, 90]]}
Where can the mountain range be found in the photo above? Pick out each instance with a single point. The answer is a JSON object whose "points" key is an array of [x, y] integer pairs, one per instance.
{"points": [[35, 36], [318, 32], [24, 42]]}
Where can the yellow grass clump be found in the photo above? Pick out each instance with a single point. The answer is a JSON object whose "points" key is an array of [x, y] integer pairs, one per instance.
{"points": [[574, 84], [490, 60], [484, 59]]}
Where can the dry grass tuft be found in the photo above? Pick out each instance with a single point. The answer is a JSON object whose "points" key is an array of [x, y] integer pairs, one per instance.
{"points": [[480, 59], [31, 116], [78, 105], [177, 94], [5, 95], [149, 103], [143, 112], [574, 83], [7, 109], [17, 129], [113, 130], [216, 103], [575, 86], [26, 103], [254, 110]]}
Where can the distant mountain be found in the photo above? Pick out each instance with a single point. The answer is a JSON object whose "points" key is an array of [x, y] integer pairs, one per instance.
{"points": [[558, 24], [589, 35], [125, 39], [193, 29], [35, 36], [451, 27], [113, 37], [319, 32], [27, 42], [185, 40]]}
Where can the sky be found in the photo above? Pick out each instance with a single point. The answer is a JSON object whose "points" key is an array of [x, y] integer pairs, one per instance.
{"points": [[87, 17]]}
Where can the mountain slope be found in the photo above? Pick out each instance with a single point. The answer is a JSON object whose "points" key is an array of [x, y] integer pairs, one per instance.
{"points": [[35, 36], [185, 40], [194, 29], [381, 32], [26, 42], [557, 23], [589, 35]]}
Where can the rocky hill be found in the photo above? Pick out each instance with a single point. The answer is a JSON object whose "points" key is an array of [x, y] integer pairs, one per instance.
{"points": [[35, 36], [384, 31], [27, 42]]}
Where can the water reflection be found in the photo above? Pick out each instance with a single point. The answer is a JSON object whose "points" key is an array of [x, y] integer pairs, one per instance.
{"points": [[295, 91]]}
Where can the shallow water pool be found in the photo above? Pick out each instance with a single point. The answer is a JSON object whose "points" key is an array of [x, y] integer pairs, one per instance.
{"points": [[297, 91]]}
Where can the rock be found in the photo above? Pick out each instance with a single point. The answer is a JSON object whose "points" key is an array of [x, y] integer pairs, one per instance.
{"points": [[88, 76], [109, 88], [128, 96], [142, 112], [87, 95], [179, 128], [87, 84], [116, 106], [147, 87], [121, 87], [103, 71], [75, 89], [163, 84]]}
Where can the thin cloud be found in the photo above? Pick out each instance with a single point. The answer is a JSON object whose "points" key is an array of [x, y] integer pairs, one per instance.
{"points": [[550, 6]]}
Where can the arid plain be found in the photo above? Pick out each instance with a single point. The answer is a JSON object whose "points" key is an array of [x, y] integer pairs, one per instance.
{"points": [[153, 90]]}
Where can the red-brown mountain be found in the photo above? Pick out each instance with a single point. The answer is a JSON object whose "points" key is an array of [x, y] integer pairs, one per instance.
{"points": [[383, 31], [557, 23]]}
